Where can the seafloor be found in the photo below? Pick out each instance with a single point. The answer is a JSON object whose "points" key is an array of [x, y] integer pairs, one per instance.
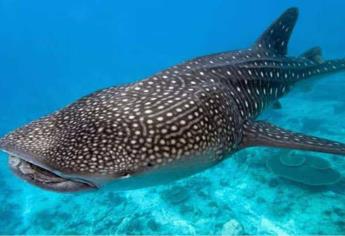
{"points": [[239, 196]]}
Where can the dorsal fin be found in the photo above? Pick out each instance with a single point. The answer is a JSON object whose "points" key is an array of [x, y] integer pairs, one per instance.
{"points": [[277, 36], [313, 54]]}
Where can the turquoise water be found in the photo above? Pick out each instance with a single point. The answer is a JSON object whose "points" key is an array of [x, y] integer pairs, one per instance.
{"points": [[51, 53]]}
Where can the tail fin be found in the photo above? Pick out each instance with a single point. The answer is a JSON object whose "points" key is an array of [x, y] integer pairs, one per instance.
{"points": [[325, 67], [264, 134], [318, 66], [277, 36]]}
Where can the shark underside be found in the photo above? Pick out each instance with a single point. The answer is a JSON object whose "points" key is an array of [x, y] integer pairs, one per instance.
{"points": [[175, 123]]}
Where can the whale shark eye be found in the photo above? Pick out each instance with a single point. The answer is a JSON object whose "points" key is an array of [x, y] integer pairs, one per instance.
{"points": [[149, 164]]}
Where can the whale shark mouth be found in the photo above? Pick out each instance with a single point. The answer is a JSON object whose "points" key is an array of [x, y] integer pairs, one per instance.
{"points": [[44, 178]]}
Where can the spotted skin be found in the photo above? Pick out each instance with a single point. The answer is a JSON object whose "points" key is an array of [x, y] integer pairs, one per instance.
{"points": [[199, 111]]}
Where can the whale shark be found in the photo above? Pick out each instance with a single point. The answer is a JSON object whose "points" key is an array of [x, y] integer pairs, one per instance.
{"points": [[176, 123]]}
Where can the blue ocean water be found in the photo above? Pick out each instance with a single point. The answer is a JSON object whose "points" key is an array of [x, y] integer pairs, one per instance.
{"points": [[53, 52]]}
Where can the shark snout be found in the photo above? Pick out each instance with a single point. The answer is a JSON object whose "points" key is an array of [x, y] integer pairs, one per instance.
{"points": [[2, 143], [32, 157], [28, 142], [37, 171]]}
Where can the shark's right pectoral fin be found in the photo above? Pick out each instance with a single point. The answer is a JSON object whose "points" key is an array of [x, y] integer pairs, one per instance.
{"points": [[259, 133]]}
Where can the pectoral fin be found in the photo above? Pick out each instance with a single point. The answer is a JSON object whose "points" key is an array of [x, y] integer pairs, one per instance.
{"points": [[259, 133]]}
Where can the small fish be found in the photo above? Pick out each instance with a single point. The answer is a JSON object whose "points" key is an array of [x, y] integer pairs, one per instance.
{"points": [[175, 123]]}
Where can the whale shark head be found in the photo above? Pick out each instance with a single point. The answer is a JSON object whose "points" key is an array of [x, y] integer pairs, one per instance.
{"points": [[37, 154], [85, 145], [73, 149]]}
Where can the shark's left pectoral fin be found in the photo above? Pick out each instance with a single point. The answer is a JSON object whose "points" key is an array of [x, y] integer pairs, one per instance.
{"points": [[259, 133]]}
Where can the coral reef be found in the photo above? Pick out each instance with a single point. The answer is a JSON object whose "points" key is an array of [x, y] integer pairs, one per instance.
{"points": [[232, 227], [309, 170]]}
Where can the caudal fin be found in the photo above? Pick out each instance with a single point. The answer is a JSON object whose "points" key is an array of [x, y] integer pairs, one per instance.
{"points": [[265, 134], [277, 36]]}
